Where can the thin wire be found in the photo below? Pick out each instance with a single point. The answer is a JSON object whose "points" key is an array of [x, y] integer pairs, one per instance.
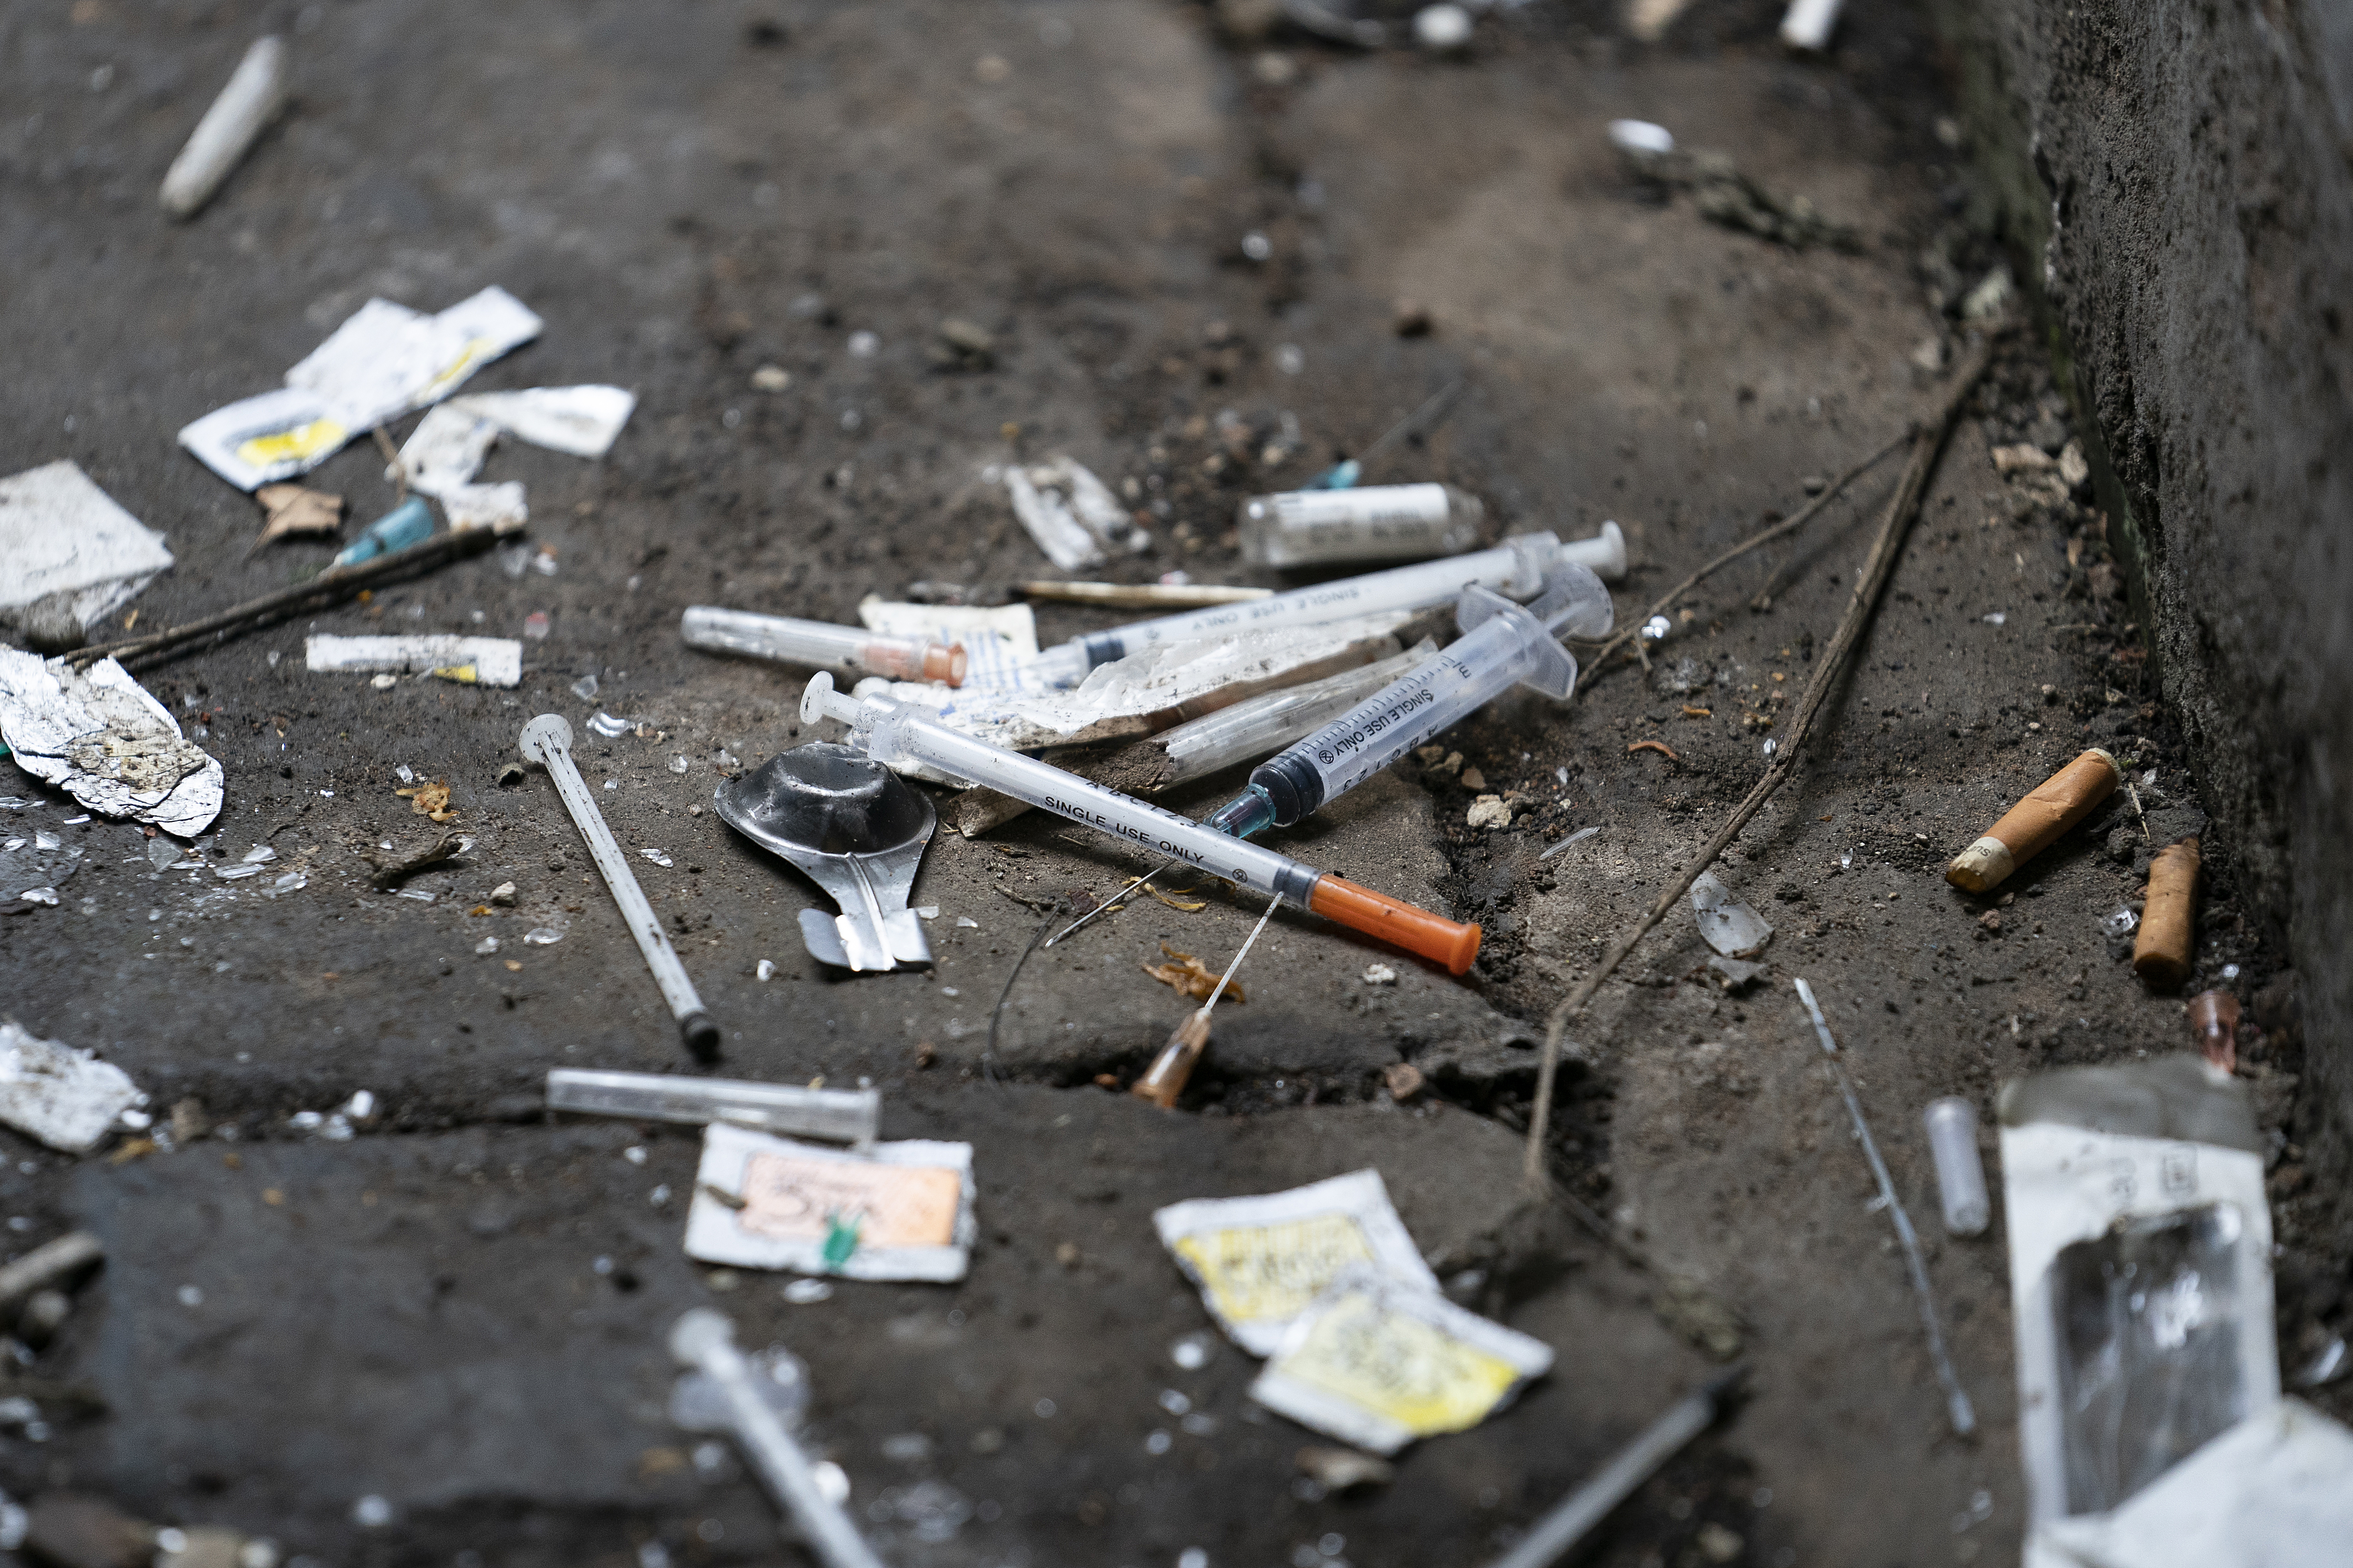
{"points": [[987, 1071], [1580, 832], [1965, 1420], [1237, 964], [1405, 427], [1112, 903]]}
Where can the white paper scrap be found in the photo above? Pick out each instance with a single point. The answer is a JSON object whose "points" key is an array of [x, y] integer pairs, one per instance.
{"points": [[496, 661], [446, 450], [997, 642], [69, 554], [581, 420], [485, 506], [1378, 1363], [97, 734], [65, 1098], [383, 362], [896, 1211], [1262, 1261]]}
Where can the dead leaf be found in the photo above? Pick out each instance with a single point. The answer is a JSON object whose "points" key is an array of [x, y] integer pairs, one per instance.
{"points": [[1174, 902], [1190, 976], [430, 800], [294, 510]]}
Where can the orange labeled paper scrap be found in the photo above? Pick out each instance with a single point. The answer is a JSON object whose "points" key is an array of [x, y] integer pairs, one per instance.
{"points": [[794, 1198]]}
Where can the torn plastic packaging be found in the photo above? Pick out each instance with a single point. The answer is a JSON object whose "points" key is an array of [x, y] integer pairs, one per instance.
{"points": [[2140, 1274]]}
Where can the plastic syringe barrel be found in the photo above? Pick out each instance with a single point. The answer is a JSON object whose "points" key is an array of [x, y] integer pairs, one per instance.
{"points": [[895, 733], [1457, 680], [1260, 724], [1503, 644], [839, 1115], [787, 640], [1517, 567]]}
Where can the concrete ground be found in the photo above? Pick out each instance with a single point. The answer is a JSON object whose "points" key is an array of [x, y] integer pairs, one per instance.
{"points": [[462, 1311]]}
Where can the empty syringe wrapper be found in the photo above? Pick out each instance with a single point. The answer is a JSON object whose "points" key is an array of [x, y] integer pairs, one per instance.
{"points": [[836, 1115]]}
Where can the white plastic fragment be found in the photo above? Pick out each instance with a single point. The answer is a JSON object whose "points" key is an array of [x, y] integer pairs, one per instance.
{"points": [[496, 661], [896, 1211], [1261, 1261], [1641, 136], [1071, 514], [68, 555], [583, 421], [1378, 1363], [1731, 927], [66, 1098], [383, 362], [255, 93], [97, 735], [1442, 28], [1807, 24]]}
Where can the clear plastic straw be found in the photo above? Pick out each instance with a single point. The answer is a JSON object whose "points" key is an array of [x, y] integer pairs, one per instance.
{"points": [[836, 1115], [786, 640]]}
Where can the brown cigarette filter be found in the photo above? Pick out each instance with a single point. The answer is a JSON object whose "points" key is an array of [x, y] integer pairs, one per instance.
{"points": [[2026, 829], [2168, 921], [1165, 1080]]}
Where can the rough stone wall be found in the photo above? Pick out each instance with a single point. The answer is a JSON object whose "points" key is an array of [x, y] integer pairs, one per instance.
{"points": [[2177, 178]]}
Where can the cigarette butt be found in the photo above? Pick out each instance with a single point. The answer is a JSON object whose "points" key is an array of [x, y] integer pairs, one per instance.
{"points": [[1165, 1080], [255, 93], [2028, 828], [2169, 922]]}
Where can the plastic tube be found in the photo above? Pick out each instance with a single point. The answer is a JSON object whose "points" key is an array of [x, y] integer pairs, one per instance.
{"points": [[837, 1115], [1503, 644], [1952, 1124], [1266, 723], [255, 93], [897, 733], [1374, 522], [1517, 567], [706, 1339], [547, 740], [787, 641]]}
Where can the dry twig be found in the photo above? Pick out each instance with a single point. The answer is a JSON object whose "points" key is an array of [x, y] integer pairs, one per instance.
{"points": [[1926, 447]]}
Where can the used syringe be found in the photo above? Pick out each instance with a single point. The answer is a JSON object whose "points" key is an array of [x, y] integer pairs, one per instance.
{"points": [[895, 734], [838, 1115], [1372, 523], [789, 641], [1264, 723], [1502, 644], [1516, 568]]}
